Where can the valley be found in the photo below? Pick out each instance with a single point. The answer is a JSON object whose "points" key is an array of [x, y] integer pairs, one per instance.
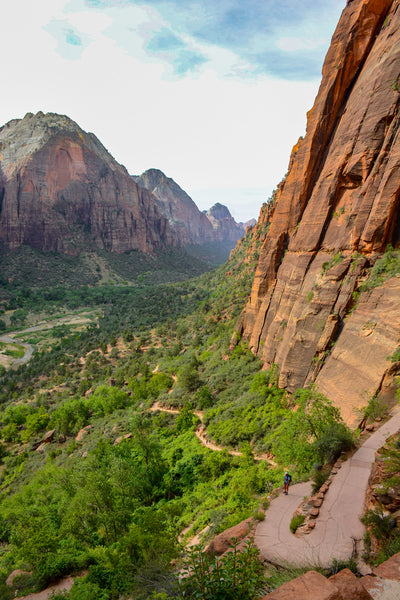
{"points": [[162, 367]]}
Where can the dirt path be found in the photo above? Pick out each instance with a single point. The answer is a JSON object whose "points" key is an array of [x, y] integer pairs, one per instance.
{"points": [[338, 525], [63, 585], [201, 434]]}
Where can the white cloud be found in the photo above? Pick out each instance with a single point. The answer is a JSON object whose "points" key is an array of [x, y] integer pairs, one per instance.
{"points": [[293, 44], [210, 132]]}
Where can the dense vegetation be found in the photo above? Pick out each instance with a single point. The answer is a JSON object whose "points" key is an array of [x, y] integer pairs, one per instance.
{"points": [[115, 498]]}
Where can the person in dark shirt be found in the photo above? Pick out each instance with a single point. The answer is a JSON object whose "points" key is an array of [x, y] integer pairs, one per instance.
{"points": [[286, 482]]}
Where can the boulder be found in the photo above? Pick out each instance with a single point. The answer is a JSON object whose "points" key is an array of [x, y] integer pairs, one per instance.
{"points": [[349, 586], [310, 586], [41, 447], [49, 436], [381, 589], [222, 542], [84, 431], [390, 569]]}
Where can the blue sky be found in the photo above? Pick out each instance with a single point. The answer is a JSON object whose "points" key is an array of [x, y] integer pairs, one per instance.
{"points": [[213, 92]]}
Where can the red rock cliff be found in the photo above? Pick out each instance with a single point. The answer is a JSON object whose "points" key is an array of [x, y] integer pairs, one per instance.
{"points": [[334, 215], [189, 223], [60, 190]]}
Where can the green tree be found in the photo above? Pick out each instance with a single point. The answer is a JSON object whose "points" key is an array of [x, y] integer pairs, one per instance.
{"points": [[312, 415]]}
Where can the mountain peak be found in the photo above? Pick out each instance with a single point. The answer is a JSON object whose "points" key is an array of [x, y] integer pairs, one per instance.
{"points": [[21, 138], [62, 191], [219, 211]]}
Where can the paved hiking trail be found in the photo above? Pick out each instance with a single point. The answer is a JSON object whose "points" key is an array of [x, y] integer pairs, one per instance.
{"points": [[338, 525]]}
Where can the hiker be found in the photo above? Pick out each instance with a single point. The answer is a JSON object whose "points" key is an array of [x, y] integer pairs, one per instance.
{"points": [[286, 482]]}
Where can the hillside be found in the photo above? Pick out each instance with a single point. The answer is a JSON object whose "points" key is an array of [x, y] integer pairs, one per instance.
{"points": [[319, 308]]}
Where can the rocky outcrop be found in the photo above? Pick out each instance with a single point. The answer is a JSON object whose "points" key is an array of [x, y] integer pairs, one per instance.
{"points": [[310, 586], [334, 215], [228, 538], [190, 224], [382, 584], [60, 190]]}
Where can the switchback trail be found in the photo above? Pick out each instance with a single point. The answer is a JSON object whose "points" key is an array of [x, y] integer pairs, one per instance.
{"points": [[201, 435], [338, 525]]}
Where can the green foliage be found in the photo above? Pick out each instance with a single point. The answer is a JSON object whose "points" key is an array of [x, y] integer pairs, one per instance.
{"points": [[396, 355], [335, 439], [296, 522], [9, 433], [83, 590], [385, 267], [381, 525], [335, 260], [235, 576], [376, 408], [339, 565], [186, 419], [294, 441], [319, 476], [35, 423]]}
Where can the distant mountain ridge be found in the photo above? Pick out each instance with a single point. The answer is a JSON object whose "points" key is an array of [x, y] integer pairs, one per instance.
{"points": [[191, 225], [62, 191]]}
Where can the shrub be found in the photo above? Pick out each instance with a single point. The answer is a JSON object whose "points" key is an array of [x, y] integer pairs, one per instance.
{"points": [[319, 477], [296, 522], [379, 524], [238, 574], [334, 440], [374, 409], [339, 565]]}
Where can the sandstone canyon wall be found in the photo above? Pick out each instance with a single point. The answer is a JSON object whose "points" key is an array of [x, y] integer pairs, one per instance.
{"points": [[60, 190], [190, 224], [224, 225], [334, 215]]}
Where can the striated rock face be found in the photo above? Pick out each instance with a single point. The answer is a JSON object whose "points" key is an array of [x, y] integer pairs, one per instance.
{"points": [[224, 225], [60, 190], [190, 224], [334, 215]]}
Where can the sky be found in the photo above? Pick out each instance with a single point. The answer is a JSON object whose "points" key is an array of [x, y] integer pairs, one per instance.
{"points": [[212, 92]]}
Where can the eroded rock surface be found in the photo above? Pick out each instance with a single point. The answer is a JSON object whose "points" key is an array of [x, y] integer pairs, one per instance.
{"points": [[191, 225], [60, 190], [334, 215]]}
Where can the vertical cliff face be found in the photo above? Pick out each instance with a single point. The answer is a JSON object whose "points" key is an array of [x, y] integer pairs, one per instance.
{"points": [[334, 215], [189, 223], [60, 190], [224, 225]]}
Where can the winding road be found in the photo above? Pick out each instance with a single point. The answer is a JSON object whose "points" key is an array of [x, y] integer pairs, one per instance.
{"points": [[10, 338]]}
